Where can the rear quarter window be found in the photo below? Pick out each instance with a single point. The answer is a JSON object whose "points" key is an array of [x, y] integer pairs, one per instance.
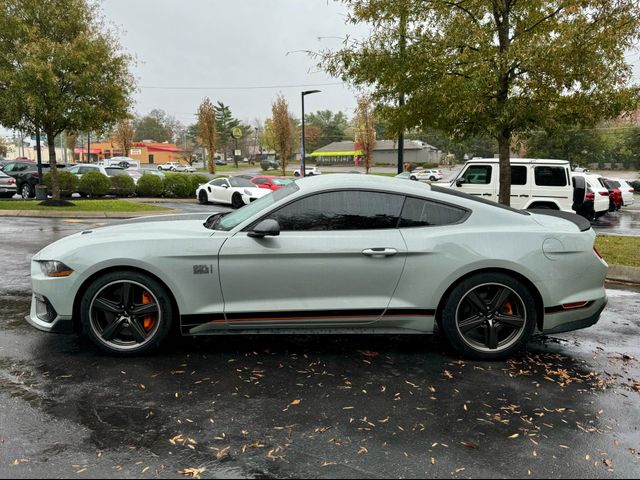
{"points": [[547, 176], [425, 213]]}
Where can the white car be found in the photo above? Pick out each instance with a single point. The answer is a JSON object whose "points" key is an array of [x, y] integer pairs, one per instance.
{"points": [[431, 175], [328, 254], [81, 169], [173, 167], [308, 172], [598, 192], [627, 193], [236, 191]]}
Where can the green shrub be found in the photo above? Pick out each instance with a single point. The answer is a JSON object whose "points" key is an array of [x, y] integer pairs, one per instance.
{"points": [[150, 185], [67, 180], [94, 184], [177, 185], [123, 185], [196, 181]]}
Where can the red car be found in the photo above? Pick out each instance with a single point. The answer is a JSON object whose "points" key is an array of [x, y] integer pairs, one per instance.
{"points": [[271, 182], [615, 194]]}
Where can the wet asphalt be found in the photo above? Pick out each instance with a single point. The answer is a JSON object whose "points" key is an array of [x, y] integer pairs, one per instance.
{"points": [[346, 406]]}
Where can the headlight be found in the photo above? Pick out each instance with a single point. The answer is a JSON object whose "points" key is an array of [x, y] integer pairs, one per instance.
{"points": [[54, 268], [248, 192]]}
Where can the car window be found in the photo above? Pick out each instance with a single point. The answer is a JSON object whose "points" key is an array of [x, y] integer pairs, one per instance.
{"points": [[241, 182], [260, 181], [614, 183], [84, 170], [74, 170], [343, 210], [425, 213], [114, 171], [547, 176], [477, 174], [219, 182], [518, 175], [8, 167], [281, 181]]}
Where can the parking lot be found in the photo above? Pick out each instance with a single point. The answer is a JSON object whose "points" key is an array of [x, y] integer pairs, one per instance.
{"points": [[325, 406]]}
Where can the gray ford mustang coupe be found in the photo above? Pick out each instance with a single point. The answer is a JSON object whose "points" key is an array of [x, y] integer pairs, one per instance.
{"points": [[328, 254]]}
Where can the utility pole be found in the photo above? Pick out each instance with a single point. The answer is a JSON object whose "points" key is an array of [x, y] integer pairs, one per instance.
{"points": [[401, 100], [302, 152], [88, 147], [38, 155]]}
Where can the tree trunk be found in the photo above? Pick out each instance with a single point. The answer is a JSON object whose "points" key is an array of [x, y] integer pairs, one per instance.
{"points": [[55, 181], [212, 160], [504, 147]]}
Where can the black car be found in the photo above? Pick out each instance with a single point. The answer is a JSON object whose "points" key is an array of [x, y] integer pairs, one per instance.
{"points": [[26, 175]]}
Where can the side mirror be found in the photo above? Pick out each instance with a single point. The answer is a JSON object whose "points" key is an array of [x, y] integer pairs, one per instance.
{"points": [[225, 186], [265, 228], [459, 183]]}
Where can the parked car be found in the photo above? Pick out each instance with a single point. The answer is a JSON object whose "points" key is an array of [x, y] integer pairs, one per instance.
{"points": [[220, 163], [431, 175], [295, 260], [270, 182], [235, 191], [599, 195], [82, 168], [615, 194], [269, 164], [135, 174], [173, 167], [124, 162], [308, 172], [627, 193], [26, 175], [8, 186], [406, 176], [535, 183]]}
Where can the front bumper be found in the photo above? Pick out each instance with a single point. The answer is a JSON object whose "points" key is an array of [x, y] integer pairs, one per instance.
{"points": [[59, 324]]}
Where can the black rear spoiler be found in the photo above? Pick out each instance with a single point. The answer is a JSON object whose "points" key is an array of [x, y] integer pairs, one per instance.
{"points": [[582, 223]]}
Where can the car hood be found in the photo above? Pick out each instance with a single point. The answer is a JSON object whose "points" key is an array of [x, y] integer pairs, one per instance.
{"points": [[164, 227]]}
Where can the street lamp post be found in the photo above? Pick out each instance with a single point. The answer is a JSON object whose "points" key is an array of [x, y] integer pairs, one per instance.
{"points": [[302, 152]]}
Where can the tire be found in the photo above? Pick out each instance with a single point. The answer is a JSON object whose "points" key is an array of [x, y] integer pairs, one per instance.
{"points": [[485, 336], [203, 198], [412, 177], [296, 174], [236, 201], [172, 169], [433, 179], [26, 191], [100, 308], [159, 169]]}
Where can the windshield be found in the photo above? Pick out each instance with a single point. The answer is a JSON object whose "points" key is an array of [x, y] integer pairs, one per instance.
{"points": [[282, 181], [240, 182], [232, 220]]}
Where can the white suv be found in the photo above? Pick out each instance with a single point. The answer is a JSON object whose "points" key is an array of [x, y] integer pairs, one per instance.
{"points": [[431, 175], [535, 183], [599, 193], [172, 167]]}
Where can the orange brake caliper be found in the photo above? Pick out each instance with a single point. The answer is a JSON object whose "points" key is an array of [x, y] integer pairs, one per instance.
{"points": [[149, 320], [509, 308]]}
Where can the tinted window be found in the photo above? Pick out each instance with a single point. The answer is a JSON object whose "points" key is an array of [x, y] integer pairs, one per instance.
{"points": [[114, 171], [518, 175], [423, 213], [220, 182], [477, 174], [551, 176], [346, 210], [260, 181]]}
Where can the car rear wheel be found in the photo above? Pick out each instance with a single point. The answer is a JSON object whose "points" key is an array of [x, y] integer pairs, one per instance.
{"points": [[433, 179], [236, 201], [126, 313], [203, 198], [489, 316], [26, 191]]}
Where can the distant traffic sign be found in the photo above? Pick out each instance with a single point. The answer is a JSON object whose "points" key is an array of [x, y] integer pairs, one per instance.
{"points": [[236, 132]]}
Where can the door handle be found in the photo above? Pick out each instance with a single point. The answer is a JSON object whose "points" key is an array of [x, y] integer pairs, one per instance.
{"points": [[379, 252], [486, 194]]}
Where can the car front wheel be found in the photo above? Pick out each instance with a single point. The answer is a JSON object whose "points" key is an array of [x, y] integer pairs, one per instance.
{"points": [[236, 201], [489, 316], [203, 198], [126, 313]]}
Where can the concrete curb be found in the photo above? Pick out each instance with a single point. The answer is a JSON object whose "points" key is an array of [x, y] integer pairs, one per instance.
{"points": [[619, 273], [59, 214]]}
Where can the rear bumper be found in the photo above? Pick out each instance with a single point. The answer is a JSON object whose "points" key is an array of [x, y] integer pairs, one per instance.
{"points": [[561, 321]]}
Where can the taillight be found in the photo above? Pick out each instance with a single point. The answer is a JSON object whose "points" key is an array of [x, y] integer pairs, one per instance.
{"points": [[12, 181], [589, 197], [597, 252], [631, 190], [604, 194]]}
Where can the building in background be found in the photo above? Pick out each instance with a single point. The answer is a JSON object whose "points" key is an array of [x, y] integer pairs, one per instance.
{"points": [[152, 153], [385, 152]]}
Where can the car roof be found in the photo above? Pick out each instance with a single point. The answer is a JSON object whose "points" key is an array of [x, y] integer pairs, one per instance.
{"points": [[373, 182], [521, 160]]}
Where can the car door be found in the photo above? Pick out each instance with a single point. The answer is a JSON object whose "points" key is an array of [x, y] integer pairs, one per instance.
{"points": [[336, 263], [480, 180], [520, 186], [218, 190]]}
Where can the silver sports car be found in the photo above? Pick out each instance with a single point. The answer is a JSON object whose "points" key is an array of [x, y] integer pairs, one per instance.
{"points": [[328, 254]]}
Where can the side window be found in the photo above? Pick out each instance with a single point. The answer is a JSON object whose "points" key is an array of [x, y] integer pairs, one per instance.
{"points": [[477, 174], [550, 176], [74, 170], [260, 181], [424, 213], [9, 167], [345, 210], [518, 175], [219, 183]]}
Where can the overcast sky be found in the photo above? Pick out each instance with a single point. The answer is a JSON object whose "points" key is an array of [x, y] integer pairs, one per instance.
{"points": [[196, 46]]}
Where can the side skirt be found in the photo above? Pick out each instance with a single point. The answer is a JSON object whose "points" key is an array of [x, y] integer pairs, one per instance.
{"points": [[309, 331]]}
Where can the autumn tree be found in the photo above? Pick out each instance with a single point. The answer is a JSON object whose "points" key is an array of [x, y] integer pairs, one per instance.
{"points": [[207, 130], [498, 68], [365, 130], [283, 141], [156, 126], [123, 136], [61, 69]]}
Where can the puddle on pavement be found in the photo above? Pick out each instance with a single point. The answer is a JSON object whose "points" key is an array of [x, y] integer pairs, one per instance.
{"points": [[13, 309]]}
